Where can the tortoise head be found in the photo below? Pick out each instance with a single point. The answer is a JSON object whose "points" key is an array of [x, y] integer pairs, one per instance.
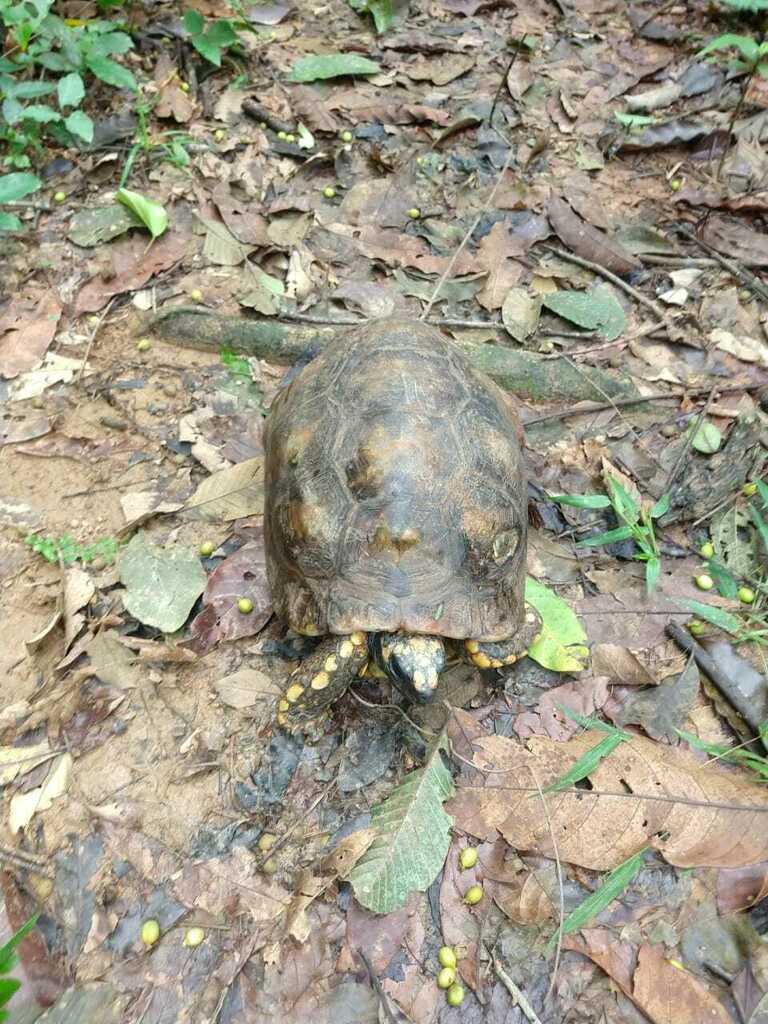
{"points": [[411, 661]]}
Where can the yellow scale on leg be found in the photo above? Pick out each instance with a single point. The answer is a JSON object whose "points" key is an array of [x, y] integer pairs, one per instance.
{"points": [[322, 678], [498, 654]]}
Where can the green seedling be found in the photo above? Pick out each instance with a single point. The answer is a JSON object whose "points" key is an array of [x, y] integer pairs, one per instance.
{"points": [[66, 550], [8, 960], [380, 11], [636, 523]]}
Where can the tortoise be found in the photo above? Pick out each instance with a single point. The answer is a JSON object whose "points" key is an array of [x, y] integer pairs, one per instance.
{"points": [[395, 514]]}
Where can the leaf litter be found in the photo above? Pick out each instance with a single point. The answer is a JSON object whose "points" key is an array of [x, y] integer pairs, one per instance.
{"points": [[168, 686]]}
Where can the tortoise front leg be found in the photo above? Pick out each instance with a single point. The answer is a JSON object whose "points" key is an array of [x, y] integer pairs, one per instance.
{"points": [[498, 653], [321, 678]]}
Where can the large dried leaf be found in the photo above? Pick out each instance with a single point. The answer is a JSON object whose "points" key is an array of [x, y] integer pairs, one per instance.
{"points": [[161, 585], [412, 841], [600, 832], [663, 709], [231, 493], [587, 241]]}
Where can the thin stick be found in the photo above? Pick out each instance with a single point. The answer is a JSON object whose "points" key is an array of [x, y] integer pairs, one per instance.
{"points": [[452, 262], [689, 442], [560, 887], [94, 332], [518, 997], [284, 838], [738, 272]]}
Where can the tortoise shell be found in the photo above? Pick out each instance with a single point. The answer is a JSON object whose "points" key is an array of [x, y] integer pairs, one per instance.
{"points": [[395, 491]]}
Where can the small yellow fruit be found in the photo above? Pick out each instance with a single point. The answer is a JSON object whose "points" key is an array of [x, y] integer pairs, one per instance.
{"points": [[704, 582], [707, 550], [207, 548], [746, 595], [675, 184], [269, 867], [219, 135], [245, 605], [455, 995], [347, 136], [143, 344], [473, 895], [282, 135], [696, 627], [266, 841], [414, 213], [446, 977], [290, 137], [59, 197], [94, 320], [262, 125], [749, 489], [150, 932], [329, 191], [196, 295], [468, 857], [446, 957], [193, 937]]}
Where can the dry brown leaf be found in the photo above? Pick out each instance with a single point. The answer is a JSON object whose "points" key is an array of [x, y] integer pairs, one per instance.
{"points": [[526, 899], [599, 832], [247, 687], [232, 493], [21, 759], [494, 254], [27, 328], [133, 265], [621, 665], [25, 805], [587, 241]]}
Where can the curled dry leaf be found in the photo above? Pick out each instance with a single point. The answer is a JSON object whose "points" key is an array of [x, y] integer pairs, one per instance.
{"points": [[587, 241], [600, 832]]}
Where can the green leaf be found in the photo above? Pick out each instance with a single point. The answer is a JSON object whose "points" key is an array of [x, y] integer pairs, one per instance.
{"points": [[194, 22], [582, 500], [614, 884], [71, 90], [412, 841], [609, 537], [662, 506], [725, 582], [331, 65], [110, 43], [561, 644], [9, 222], [634, 120], [221, 33], [706, 439], [12, 110], [41, 114], [652, 569], [112, 73], [7, 952], [27, 90], [746, 46], [207, 49], [16, 186], [161, 584], [152, 215], [589, 761], [624, 503], [762, 490], [716, 616], [598, 310], [79, 124]]}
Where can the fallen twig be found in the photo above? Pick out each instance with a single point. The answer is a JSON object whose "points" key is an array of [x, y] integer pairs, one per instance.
{"points": [[517, 994], [745, 276]]}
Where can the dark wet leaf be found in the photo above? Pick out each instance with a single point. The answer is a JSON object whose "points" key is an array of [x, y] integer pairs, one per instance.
{"points": [[161, 584], [662, 709], [101, 224], [588, 241]]}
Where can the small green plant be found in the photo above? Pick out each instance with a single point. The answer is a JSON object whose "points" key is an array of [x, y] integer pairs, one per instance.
{"points": [[210, 41], [43, 74], [170, 146], [8, 960], [636, 523], [14, 187], [741, 756], [379, 10], [66, 550]]}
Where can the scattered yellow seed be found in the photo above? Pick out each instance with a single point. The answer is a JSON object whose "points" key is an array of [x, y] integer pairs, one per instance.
{"points": [[143, 345], [696, 627], [219, 135], [59, 197], [414, 213], [746, 595], [94, 320], [329, 192], [446, 977], [282, 720], [282, 135], [676, 963], [184, 86], [707, 550], [283, 705], [468, 857], [331, 663], [193, 937], [293, 692], [269, 867], [150, 932], [676, 184], [446, 957], [320, 681], [472, 646], [347, 136], [455, 995], [704, 582], [346, 649], [207, 548], [749, 489], [196, 295], [473, 895], [266, 841], [290, 137], [358, 638], [245, 605], [262, 125]]}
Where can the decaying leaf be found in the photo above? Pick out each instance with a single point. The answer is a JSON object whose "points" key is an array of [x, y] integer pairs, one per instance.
{"points": [[560, 646], [231, 493], [161, 585], [247, 687], [24, 806], [663, 709], [588, 241], [599, 832]]}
